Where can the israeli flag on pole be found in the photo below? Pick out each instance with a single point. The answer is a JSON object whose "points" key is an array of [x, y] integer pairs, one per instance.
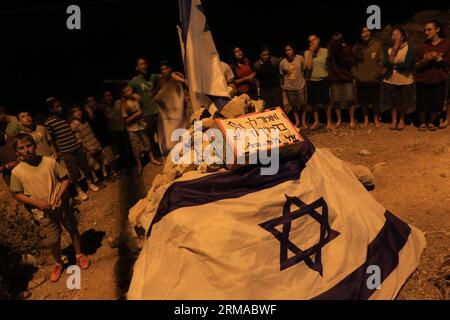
{"points": [[201, 60], [312, 231]]}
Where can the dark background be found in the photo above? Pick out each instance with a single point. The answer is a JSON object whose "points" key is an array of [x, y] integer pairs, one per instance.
{"points": [[40, 57]]}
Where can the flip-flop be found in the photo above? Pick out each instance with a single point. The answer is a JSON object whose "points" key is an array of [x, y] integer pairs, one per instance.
{"points": [[423, 127], [431, 127], [443, 126], [391, 127]]}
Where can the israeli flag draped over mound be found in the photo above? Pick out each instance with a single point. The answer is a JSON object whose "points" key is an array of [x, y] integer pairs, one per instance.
{"points": [[310, 232]]}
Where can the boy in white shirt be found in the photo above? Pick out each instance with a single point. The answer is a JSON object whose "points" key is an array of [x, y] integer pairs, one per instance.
{"points": [[41, 182]]}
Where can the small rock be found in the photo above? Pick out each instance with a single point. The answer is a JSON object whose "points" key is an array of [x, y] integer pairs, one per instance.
{"points": [[364, 175], [379, 167], [364, 152], [113, 243], [28, 259]]}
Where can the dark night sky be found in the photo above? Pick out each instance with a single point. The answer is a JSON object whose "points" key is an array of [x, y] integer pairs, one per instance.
{"points": [[40, 57]]}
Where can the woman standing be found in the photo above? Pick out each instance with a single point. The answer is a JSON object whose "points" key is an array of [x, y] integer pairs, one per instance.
{"points": [[341, 78], [432, 66], [399, 60], [318, 86], [243, 72], [293, 83], [368, 71]]}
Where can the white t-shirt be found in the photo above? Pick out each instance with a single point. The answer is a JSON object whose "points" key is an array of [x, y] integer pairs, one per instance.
{"points": [[398, 78], [42, 182], [227, 72], [133, 107]]}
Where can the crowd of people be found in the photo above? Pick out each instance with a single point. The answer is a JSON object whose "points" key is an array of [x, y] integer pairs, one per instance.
{"points": [[50, 167], [79, 148], [340, 77]]}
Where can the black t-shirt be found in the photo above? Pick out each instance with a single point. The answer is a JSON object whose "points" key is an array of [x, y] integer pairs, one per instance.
{"points": [[268, 74], [100, 126]]}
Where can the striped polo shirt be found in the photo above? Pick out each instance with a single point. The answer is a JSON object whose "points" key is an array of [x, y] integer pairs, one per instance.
{"points": [[61, 133], [85, 136]]}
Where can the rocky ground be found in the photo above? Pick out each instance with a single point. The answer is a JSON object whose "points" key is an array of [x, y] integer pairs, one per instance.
{"points": [[412, 177]]}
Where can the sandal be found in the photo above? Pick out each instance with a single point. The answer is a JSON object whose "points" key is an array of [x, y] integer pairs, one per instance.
{"points": [[431, 127], [443, 125], [157, 163], [393, 126], [422, 127], [116, 175], [56, 272], [401, 127], [83, 262]]}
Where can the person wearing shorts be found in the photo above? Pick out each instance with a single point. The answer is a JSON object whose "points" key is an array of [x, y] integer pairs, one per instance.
{"points": [[318, 86], [41, 183], [136, 127], [399, 80], [293, 83], [342, 93]]}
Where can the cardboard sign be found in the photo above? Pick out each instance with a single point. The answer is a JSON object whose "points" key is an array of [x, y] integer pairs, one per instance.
{"points": [[248, 135]]}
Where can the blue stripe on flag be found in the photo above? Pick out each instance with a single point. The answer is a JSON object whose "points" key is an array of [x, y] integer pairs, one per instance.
{"points": [[383, 252], [185, 10], [228, 185]]}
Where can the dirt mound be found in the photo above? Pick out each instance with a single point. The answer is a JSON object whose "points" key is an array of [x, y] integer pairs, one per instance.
{"points": [[19, 236]]}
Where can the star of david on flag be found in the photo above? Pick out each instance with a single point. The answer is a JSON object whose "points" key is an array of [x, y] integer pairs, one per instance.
{"points": [[326, 233]]}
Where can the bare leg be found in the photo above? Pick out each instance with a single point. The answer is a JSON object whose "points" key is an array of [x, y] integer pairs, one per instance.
{"points": [[352, 117], [55, 249], [138, 165], [76, 240], [329, 122], [366, 116], [297, 119], [376, 120], [401, 123], [394, 119], [339, 117], [153, 160], [304, 123], [445, 122]]}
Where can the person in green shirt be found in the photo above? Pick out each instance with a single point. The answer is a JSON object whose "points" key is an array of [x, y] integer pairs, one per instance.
{"points": [[9, 124], [144, 85]]}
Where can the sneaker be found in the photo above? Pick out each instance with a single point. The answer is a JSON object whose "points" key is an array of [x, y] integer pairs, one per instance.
{"points": [[100, 184], [93, 187], [109, 179], [83, 262], [82, 196], [56, 272]]}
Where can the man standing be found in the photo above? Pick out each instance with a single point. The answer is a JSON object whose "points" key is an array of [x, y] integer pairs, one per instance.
{"points": [[144, 84]]}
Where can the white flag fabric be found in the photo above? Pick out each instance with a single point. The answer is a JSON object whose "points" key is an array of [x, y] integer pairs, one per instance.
{"points": [[201, 60], [310, 232]]}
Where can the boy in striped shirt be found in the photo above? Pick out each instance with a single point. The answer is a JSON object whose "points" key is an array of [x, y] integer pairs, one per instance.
{"points": [[69, 149]]}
